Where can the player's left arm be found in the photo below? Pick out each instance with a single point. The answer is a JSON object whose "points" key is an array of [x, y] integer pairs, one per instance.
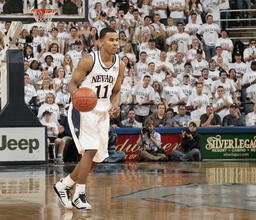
{"points": [[115, 97]]}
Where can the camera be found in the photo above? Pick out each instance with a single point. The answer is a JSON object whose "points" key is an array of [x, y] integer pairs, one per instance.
{"points": [[187, 132], [146, 131]]}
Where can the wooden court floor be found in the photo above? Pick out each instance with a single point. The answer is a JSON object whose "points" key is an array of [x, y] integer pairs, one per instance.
{"points": [[131, 191]]}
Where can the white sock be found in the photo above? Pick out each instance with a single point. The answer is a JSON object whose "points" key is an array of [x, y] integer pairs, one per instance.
{"points": [[67, 181], [80, 189], [59, 155]]}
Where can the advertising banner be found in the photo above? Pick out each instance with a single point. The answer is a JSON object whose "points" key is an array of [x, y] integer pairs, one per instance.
{"points": [[127, 144], [229, 146], [22, 144]]}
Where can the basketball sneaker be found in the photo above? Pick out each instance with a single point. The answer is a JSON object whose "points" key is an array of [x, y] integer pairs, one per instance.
{"points": [[80, 201], [63, 194]]}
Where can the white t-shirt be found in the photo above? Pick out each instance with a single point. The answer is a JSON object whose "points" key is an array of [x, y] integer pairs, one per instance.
{"points": [[29, 92], [251, 93], [143, 94], [153, 55], [176, 3], [53, 108], [210, 33], [161, 12], [50, 133], [225, 42], [172, 94], [228, 86], [249, 76], [182, 39], [76, 56], [198, 66], [141, 69], [219, 102], [57, 58], [249, 51], [178, 69], [250, 119], [193, 100], [240, 68], [34, 75]]}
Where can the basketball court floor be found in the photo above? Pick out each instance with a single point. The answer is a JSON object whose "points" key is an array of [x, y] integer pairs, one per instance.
{"points": [[131, 191]]}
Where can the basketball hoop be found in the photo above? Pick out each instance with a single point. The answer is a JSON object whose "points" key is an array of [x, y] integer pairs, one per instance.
{"points": [[44, 17]]}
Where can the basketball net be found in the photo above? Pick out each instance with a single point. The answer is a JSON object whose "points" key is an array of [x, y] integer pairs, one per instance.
{"points": [[44, 17]]}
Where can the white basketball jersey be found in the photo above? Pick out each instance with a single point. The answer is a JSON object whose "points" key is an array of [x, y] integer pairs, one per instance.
{"points": [[101, 80]]}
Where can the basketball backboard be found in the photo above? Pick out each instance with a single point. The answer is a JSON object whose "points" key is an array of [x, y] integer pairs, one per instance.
{"points": [[67, 10]]}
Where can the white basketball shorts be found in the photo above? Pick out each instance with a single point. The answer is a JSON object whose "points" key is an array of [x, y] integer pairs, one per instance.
{"points": [[90, 131]]}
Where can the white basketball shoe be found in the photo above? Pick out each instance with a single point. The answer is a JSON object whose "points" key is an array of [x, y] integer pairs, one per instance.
{"points": [[63, 194], [80, 201]]}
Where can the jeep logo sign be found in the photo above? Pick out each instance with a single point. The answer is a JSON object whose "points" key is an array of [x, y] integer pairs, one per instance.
{"points": [[22, 144]]}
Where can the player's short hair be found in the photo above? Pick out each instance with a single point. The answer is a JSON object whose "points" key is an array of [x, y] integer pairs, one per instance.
{"points": [[220, 87], [106, 30]]}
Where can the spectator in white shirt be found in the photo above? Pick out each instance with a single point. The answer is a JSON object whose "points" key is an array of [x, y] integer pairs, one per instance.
{"points": [[159, 29], [238, 65], [177, 7], [199, 64], [222, 103], [194, 7], [250, 118], [181, 38], [227, 84], [152, 52], [226, 44], [250, 52], [192, 28], [209, 33], [172, 95], [197, 102], [143, 97], [160, 7], [219, 53]]}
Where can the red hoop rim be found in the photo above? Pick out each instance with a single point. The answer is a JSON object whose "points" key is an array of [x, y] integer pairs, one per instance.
{"points": [[40, 12]]}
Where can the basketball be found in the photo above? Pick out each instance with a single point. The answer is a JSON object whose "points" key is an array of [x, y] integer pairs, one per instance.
{"points": [[84, 99]]}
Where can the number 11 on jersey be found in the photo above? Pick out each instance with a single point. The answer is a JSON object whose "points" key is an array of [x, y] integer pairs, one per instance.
{"points": [[98, 93]]}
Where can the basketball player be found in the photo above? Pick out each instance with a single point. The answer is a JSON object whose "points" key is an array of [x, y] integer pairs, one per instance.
{"points": [[103, 72]]}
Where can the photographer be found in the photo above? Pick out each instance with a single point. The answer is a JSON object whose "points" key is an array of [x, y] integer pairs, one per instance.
{"points": [[191, 144], [150, 141]]}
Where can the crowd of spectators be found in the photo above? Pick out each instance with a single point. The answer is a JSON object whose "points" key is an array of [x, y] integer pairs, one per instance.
{"points": [[180, 64]]}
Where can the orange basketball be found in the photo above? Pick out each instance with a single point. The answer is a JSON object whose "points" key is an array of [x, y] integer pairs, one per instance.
{"points": [[84, 99]]}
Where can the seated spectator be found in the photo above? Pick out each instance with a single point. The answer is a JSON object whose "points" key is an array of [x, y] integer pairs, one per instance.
{"points": [[115, 122], [130, 122], [158, 117], [210, 118], [169, 117], [190, 145], [181, 119], [150, 142], [52, 133], [50, 106], [29, 91], [250, 118], [234, 118], [114, 156]]}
